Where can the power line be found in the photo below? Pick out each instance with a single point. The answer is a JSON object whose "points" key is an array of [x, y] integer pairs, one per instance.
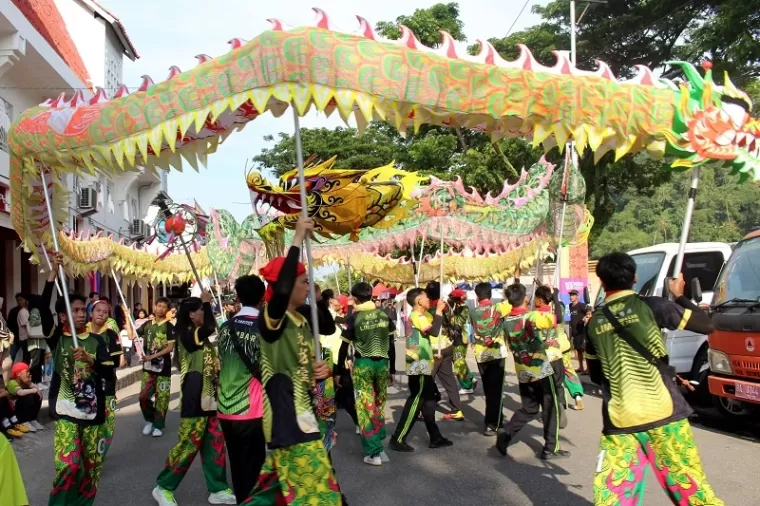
{"points": [[518, 17]]}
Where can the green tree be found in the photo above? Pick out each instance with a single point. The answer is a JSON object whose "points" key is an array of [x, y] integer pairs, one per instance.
{"points": [[328, 281], [724, 211], [379, 145], [427, 24]]}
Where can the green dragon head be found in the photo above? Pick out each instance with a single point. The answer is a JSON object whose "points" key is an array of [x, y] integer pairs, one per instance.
{"points": [[713, 123]]}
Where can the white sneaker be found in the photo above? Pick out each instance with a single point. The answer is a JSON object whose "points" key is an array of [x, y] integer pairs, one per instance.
{"points": [[156, 433], [373, 461], [358, 430], [223, 497], [147, 429], [37, 425], [29, 426], [163, 497], [384, 457]]}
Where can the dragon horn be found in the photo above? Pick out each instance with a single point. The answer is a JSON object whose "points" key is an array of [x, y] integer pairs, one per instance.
{"points": [[691, 73]]}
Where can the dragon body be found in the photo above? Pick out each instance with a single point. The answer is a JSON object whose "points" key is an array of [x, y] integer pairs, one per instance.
{"points": [[184, 118], [485, 235]]}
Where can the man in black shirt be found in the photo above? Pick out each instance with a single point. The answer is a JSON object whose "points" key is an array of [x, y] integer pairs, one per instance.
{"points": [[577, 312]]}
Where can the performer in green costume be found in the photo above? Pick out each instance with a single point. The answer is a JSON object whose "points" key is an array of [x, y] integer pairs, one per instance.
{"points": [[297, 471], [459, 317], [199, 429], [99, 325], [77, 399], [157, 369], [371, 332]]}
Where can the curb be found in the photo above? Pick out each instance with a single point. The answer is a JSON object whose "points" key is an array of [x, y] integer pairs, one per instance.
{"points": [[127, 378]]}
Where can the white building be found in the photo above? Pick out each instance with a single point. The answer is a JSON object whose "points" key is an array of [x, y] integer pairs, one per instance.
{"points": [[48, 47], [117, 204], [33, 68]]}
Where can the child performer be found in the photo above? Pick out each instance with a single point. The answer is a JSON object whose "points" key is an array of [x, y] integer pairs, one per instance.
{"points": [[297, 470], [460, 317], [26, 397], [570, 379], [371, 332], [538, 363], [490, 354], [443, 367], [199, 430], [99, 325], [419, 360], [158, 344], [77, 400]]}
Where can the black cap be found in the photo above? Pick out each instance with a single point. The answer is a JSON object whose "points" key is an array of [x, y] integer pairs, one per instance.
{"points": [[573, 292]]}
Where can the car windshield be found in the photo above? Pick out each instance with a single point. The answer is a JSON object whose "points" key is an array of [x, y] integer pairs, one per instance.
{"points": [[648, 267], [740, 278]]}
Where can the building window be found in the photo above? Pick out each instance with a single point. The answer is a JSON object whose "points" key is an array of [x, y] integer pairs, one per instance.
{"points": [[5, 202], [113, 76], [6, 116], [109, 200]]}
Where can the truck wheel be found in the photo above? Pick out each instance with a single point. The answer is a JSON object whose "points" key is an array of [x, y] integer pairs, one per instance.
{"points": [[731, 408]]}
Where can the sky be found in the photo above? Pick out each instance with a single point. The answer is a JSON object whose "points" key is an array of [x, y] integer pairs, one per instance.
{"points": [[172, 32]]}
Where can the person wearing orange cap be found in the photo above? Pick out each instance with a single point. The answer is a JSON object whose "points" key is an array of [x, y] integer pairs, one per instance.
{"points": [[297, 470], [26, 397]]}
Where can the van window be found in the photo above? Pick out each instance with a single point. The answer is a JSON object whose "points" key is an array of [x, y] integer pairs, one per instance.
{"points": [[648, 267], [703, 265]]}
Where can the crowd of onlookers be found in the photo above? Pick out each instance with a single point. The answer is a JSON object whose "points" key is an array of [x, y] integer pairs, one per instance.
{"points": [[27, 361]]}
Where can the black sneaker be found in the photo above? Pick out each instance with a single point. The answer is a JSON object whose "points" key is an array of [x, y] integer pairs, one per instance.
{"points": [[549, 455], [490, 431], [400, 447], [441, 443], [502, 442]]}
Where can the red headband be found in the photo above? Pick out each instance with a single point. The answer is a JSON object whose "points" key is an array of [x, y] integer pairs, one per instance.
{"points": [[271, 271]]}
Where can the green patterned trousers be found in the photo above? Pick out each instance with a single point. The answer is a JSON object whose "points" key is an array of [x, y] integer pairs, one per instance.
{"points": [[197, 435], [79, 453], [159, 387], [670, 451], [461, 369], [298, 475], [108, 428], [370, 379], [571, 380]]}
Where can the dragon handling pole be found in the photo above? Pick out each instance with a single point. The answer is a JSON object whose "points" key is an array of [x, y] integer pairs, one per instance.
{"points": [[307, 239], [685, 228], [127, 312], [50, 267], [61, 272]]}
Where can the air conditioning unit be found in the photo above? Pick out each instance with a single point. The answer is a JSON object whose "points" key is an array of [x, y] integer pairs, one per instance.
{"points": [[87, 201], [139, 229]]}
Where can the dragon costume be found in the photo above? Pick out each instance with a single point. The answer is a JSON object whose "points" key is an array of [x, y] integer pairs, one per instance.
{"points": [[186, 117]]}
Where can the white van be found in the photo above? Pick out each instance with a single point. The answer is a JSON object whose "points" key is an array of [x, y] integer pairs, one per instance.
{"points": [[687, 351]]}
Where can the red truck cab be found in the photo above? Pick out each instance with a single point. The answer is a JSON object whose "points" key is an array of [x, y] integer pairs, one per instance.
{"points": [[734, 346]]}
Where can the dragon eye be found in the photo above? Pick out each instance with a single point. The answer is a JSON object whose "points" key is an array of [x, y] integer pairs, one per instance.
{"points": [[736, 112]]}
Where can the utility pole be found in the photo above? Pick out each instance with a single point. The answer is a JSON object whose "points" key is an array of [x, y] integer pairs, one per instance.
{"points": [[570, 147]]}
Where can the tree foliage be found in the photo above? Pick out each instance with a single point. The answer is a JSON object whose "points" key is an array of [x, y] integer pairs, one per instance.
{"points": [[724, 211]]}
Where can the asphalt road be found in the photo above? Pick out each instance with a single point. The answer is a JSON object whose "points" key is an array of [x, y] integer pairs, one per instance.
{"points": [[469, 473]]}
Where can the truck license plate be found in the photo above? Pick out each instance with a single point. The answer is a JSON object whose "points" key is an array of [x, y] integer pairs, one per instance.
{"points": [[749, 392]]}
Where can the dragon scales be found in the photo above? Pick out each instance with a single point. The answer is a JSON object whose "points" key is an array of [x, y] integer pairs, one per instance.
{"points": [[186, 116]]}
